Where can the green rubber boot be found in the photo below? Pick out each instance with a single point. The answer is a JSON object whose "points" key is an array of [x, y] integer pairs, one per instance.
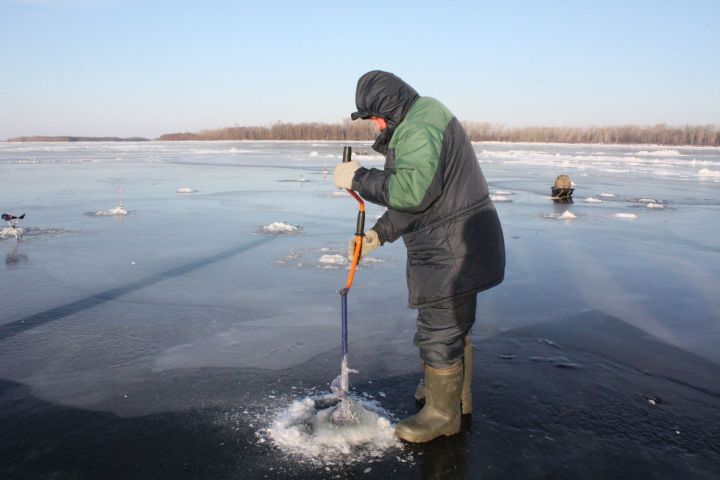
{"points": [[466, 398], [441, 413]]}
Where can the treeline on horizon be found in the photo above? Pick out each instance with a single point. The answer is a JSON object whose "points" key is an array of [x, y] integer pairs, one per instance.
{"points": [[363, 130], [661, 134]]}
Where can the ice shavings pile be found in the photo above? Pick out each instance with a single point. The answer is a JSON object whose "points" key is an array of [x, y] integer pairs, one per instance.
{"points": [[706, 172], [566, 215], [660, 153], [500, 199], [651, 203], [592, 200], [280, 228], [325, 258], [119, 210], [185, 190], [310, 434], [628, 216], [333, 260]]}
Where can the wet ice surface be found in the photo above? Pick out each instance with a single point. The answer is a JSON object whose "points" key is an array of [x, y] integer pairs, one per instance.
{"points": [[176, 334]]}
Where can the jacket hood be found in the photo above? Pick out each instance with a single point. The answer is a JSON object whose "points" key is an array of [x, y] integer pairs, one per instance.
{"points": [[382, 94]]}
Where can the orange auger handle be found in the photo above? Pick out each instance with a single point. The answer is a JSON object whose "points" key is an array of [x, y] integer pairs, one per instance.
{"points": [[360, 229], [359, 233]]}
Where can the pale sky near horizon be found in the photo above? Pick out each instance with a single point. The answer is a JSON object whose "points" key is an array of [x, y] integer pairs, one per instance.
{"points": [[133, 68]]}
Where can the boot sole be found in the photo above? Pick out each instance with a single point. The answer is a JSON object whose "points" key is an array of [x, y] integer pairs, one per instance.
{"points": [[453, 428]]}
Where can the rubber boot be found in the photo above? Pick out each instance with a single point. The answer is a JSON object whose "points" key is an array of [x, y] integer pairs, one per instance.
{"points": [[466, 399], [441, 413]]}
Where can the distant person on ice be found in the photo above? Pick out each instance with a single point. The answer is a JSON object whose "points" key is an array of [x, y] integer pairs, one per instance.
{"points": [[437, 200]]}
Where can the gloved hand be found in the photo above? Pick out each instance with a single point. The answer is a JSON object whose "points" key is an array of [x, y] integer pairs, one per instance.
{"points": [[344, 173], [371, 241]]}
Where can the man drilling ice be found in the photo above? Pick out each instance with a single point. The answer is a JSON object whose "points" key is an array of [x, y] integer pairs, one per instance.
{"points": [[437, 200]]}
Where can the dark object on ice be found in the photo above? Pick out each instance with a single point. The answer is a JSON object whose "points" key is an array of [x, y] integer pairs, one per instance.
{"points": [[11, 228], [562, 188], [7, 217]]}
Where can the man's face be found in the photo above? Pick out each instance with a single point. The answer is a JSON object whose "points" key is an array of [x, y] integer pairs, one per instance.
{"points": [[380, 123]]}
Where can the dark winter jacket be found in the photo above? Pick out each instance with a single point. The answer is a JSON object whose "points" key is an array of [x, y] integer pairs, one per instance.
{"points": [[435, 193]]}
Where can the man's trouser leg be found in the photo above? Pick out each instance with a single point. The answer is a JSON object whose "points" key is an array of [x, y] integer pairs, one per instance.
{"points": [[441, 332], [459, 312]]}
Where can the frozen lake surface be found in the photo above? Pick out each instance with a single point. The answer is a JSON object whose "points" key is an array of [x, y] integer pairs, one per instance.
{"points": [[169, 301]]}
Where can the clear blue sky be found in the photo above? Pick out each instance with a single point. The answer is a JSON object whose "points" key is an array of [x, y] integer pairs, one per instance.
{"points": [[125, 67]]}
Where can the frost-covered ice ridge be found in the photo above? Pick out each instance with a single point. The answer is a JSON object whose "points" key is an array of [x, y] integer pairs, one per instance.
{"points": [[696, 163], [685, 163]]}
